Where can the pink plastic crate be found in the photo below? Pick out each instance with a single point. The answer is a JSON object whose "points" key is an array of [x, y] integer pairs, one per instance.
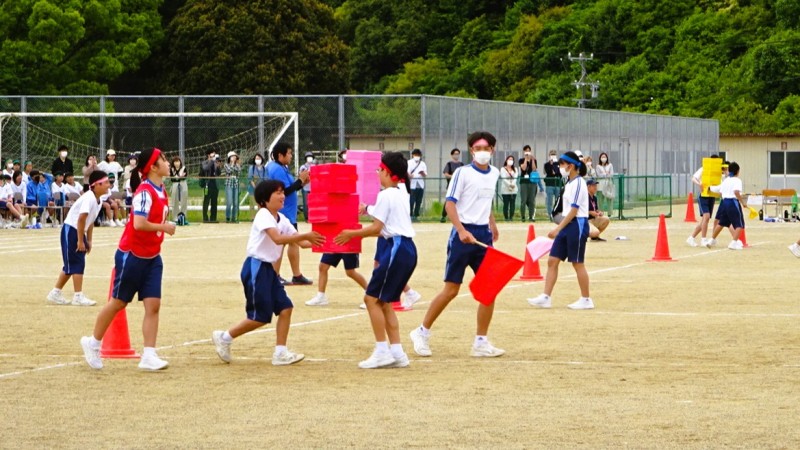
{"points": [[366, 163], [325, 207], [333, 178], [330, 231]]}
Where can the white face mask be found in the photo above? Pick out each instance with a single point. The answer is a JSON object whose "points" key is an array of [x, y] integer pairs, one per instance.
{"points": [[564, 171], [603, 160], [527, 154], [9, 166], [510, 162], [416, 158], [483, 157], [553, 158], [63, 154], [344, 157], [258, 161], [309, 159]]}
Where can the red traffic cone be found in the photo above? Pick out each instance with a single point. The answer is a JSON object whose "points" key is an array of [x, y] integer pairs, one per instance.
{"points": [[117, 341], [662, 243], [743, 238], [690, 209], [530, 269], [398, 306]]}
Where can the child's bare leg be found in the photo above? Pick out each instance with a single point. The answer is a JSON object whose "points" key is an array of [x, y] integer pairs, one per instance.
{"points": [[245, 326], [357, 277], [282, 327], [552, 275], [717, 230], [106, 315], [583, 278], [77, 281], [391, 323], [735, 233], [440, 302], [376, 317], [323, 277], [485, 313], [62, 280], [152, 305]]}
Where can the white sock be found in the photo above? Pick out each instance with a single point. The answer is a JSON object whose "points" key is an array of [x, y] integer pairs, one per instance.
{"points": [[56, 291], [280, 349], [424, 331], [547, 297], [397, 350], [94, 343], [411, 292], [479, 340], [79, 294], [148, 352], [585, 299], [382, 347], [227, 338], [321, 294]]}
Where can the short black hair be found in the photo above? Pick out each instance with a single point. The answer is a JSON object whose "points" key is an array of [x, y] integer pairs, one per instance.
{"points": [[63, 147], [68, 174], [265, 189], [526, 147], [454, 151], [478, 135], [96, 175], [416, 151], [281, 148], [398, 165], [733, 168]]}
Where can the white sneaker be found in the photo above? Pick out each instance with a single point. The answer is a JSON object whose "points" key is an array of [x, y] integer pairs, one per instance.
{"points": [[542, 301], [692, 243], [82, 300], [711, 242], [399, 363], [92, 355], [703, 242], [23, 221], [223, 348], [153, 363], [586, 303], [56, 298], [319, 300], [363, 306], [795, 249], [119, 223], [420, 341], [486, 350], [377, 360], [736, 245], [286, 358], [411, 297]]}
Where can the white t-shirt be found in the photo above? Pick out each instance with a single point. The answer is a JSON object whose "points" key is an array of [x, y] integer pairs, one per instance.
{"points": [[576, 195], [6, 194], [22, 189], [142, 201], [473, 189], [392, 207], [259, 245], [67, 189], [111, 167], [88, 204], [729, 187], [415, 173]]}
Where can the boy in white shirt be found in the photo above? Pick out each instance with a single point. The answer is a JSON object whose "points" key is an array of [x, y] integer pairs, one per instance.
{"points": [[7, 200], [417, 171], [729, 213], [264, 293], [76, 241]]}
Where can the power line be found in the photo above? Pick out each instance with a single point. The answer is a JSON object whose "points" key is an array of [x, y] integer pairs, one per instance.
{"points": [[582, 84]]}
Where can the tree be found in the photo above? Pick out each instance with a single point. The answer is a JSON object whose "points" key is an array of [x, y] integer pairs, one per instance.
{"points": [[253, 47], [75, 47]]}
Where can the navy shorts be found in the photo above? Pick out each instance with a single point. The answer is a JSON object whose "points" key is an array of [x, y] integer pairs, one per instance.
{"points": [[730, 213], [461, 255], [396, 262], [706, 205], [570, 244], [136, 275], [332, 259], [3, 204], [74, 261], [263, 291]]}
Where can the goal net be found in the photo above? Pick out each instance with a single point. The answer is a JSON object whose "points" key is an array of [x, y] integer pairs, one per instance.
{"points": [[36, 137]]}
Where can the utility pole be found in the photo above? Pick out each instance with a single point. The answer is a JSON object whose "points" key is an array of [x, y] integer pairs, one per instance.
{"points": [[581, 84]]}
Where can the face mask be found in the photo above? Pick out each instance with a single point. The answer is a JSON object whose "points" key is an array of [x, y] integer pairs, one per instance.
{"points": [[527, 154], [603, 160], [9, 166], [510, 163], [456, 157], [63, 154], [344, 157], [564, 171], [309, 159], [483, 157], [553, 158], [416, 158], [258, 162]]}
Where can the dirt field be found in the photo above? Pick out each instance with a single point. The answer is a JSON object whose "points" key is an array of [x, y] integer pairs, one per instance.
{"points": [[703, 352]]}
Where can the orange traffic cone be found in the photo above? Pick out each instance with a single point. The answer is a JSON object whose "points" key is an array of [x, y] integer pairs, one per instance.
{"points": [[398, 306], [662, 244], [690, 209], [117, 341], [530, 269], [743, 238]]}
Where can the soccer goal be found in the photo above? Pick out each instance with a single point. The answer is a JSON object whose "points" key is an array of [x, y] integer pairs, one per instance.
{"points": [[36, 137]]}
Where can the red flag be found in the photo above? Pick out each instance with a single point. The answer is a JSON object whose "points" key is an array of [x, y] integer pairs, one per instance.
{"points": [[495, 272]]}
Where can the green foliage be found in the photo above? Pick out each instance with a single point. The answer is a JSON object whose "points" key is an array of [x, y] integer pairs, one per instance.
{"points": [[74, 47]]}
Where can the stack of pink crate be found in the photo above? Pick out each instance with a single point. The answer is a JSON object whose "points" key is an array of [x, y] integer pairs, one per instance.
{"points": [[333, 205], [366, 162]]}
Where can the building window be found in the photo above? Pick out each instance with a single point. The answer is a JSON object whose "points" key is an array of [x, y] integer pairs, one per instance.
{"points": [[784, 163]]}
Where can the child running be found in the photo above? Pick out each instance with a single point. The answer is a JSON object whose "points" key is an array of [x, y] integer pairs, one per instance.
{"points": [[76, 240], [469, 207], [729, 213], [570, 235], [137, 264], [351, 262], [396, 255], [263, 291]]}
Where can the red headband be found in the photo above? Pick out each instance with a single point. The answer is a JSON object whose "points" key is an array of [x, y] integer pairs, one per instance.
{"points": [[395, 178], [151, 161]]}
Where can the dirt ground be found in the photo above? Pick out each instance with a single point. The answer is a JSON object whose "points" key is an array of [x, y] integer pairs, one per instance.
{"points": [[702, 352]]}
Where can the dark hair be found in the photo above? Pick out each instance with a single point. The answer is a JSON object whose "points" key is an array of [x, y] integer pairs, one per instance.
{"points": [[453, 151], [526, 146], [95, 176], [513, 160], [281, 148], [56, 174], [714, 156], [600, 159], [580, 166], [733, 168], [341, 153], [144, 156], [87, 160], [257, 155], [265, 189], [17, 173], [416, 151], [398, 165], [177, 158], [34, 173], [478, 135], [63, 147], [68, 174], [7, 177]]}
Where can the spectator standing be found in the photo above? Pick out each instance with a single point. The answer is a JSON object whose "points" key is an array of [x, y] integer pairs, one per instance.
{"points": [[449, 170], [180, 190], [26, 172], [417, 171], [508, 189], [89, 167], [110, 165], [232, 171], [62, 164], [527, 188], [126, 172], [605, 174], [307, 187], [255, 173], [209, 171], [552, 181]]}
